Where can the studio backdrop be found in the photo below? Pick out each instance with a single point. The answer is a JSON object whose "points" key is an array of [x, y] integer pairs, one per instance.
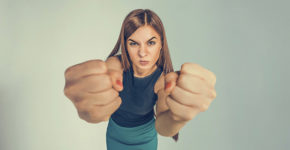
{"points": [[244, 43]]}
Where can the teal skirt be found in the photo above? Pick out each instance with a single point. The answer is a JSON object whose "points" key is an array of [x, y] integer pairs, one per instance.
{"points": [[143, 137]]}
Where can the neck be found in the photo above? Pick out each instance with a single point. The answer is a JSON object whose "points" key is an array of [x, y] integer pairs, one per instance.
{"points": [[143, 73]]}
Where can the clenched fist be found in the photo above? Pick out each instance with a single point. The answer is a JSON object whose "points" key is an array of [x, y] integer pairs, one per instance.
{"points": [[94, 89], [190, 91]]}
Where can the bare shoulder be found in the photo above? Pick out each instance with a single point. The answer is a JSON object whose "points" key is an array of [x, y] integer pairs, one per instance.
{"points": [[159, 83], [114, 63]]}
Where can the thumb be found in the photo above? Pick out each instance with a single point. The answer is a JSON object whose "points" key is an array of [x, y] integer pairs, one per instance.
{"points": [[170, 81], [117, 79]]}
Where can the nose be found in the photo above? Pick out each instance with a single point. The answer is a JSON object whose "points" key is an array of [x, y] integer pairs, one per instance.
{"points": [[142, 51]]}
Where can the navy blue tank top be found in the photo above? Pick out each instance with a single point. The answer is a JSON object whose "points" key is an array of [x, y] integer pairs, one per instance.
{"points": [[138, 99]]}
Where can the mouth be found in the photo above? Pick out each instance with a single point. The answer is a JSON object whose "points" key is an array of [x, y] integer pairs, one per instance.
{"points": [[143, 62]]}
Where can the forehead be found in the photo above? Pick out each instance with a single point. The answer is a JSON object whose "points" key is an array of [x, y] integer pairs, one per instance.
{"points": [[144, 33]]}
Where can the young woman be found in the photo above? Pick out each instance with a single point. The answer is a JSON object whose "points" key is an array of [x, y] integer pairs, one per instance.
{"points": [[125, 88]]}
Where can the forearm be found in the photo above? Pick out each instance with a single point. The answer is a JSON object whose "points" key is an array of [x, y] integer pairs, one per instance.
{"points": [[166, 126]]}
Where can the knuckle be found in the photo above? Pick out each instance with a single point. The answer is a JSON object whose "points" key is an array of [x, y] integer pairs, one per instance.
{"points": [[188, 117], [214, 76], [100, 65], [81, 105], [67, 70], [184, 66], [192, 115], [71, 68], [85, 115], [117, 102], [213, 94], [189, 67], [182, 77], [66, 92], [66, 73], [204, 107], [73, 96], [188, 64], [119, 99], [69, 94], [114, 93], [95, 66], [88, 116]]}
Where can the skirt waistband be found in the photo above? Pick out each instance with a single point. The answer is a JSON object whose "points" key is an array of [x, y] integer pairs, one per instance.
{"points": [[139, 137]]}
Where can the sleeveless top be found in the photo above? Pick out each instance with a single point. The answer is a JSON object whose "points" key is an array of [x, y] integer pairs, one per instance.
{"points": [[138, 98]]}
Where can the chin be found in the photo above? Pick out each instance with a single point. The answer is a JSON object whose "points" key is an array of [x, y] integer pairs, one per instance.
{"points": [[149, 66]]}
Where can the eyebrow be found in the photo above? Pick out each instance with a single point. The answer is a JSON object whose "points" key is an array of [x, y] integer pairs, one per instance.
{"points": [[148, 40]]}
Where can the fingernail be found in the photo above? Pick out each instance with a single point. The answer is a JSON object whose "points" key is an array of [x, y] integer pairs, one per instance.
{"points": [[119, 82], [167, 85]]}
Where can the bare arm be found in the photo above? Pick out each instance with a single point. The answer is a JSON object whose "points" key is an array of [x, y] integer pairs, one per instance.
{"points": [[165, 124]]}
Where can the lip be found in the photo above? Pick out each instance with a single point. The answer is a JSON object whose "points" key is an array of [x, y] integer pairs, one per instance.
{"points": [[143, 62]]}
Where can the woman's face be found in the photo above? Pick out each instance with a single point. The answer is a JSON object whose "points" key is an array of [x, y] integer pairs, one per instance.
{"points": [[144, 45]]}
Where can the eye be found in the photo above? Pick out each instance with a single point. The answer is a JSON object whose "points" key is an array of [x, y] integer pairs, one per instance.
{"points": [[151, 42], [133, 43]]}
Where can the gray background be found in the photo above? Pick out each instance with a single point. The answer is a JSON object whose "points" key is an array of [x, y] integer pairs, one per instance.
{"points": [[245, 43]]}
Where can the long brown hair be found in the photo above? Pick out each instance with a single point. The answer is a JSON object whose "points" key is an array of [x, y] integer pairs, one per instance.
{"points": [[135, 19]]}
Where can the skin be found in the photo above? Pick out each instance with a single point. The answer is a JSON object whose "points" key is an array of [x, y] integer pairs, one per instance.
{"points": [[190, 90], [186, 93], [144, 44], [93, 88]]}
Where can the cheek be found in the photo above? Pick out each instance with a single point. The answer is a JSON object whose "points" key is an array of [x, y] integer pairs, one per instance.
{"points": [[155, 54], [132, 54]]}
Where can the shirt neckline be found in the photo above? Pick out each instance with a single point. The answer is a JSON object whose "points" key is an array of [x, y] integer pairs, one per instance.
{"points": [[148, 76]]}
